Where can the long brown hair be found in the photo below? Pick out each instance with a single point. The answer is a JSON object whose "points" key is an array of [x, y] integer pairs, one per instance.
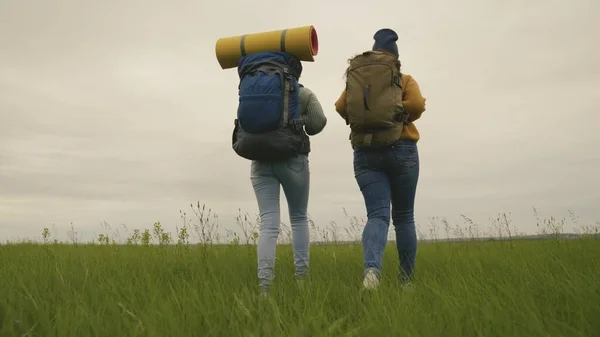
{"points": [[345, 77]]}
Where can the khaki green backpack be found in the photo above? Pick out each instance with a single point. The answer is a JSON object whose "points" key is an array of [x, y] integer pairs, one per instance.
{"points": [[374, 92]]}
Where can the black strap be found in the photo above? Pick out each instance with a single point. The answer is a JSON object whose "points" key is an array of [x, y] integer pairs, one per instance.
{"points": [[282, 40], [243, 45]]}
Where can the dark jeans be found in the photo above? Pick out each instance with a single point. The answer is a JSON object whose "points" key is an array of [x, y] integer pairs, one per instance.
{"points": [[387, 176]]}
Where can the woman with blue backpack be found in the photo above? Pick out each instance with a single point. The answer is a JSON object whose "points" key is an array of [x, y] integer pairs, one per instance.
{"points": [[380, 104], [275, 116]]}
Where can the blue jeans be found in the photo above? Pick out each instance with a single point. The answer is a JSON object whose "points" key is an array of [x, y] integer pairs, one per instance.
{"points": [[294, 176], [387, 176]]}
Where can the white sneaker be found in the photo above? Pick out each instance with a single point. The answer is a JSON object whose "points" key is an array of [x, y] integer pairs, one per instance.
{"points": [[371, 281]]}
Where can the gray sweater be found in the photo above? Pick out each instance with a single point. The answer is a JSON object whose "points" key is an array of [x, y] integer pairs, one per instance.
{"points": [[311, 112]]}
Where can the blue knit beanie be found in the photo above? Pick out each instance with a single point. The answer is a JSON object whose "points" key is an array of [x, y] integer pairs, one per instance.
{"points": [[386, 39]]}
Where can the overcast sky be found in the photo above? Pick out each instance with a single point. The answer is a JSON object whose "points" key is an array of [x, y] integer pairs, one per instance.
{"points": [[118, 111]]}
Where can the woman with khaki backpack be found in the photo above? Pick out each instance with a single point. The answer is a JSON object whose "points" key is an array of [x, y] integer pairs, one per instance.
{"points": [[380, 104]]}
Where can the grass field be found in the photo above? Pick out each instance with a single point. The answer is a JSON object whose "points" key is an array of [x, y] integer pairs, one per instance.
{"points": [[476, 288]]}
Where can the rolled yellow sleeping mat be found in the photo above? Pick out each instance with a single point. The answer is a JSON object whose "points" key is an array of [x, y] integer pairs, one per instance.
{"points": [[301, 42]]}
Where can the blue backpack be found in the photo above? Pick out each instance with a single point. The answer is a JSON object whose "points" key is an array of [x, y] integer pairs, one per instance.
{"points": [[268, 126]]}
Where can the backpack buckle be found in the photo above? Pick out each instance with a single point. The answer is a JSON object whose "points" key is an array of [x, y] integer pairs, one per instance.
{"points": [[287, 74], [296, 125], [402, 116]]}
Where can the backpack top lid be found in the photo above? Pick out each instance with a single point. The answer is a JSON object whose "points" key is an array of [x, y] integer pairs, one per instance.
{"points": [[375, 55], [245, 63]]}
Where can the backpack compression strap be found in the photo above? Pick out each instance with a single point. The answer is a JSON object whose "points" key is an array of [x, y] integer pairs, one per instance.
{"points": [[286, 97], [296, 125]]}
